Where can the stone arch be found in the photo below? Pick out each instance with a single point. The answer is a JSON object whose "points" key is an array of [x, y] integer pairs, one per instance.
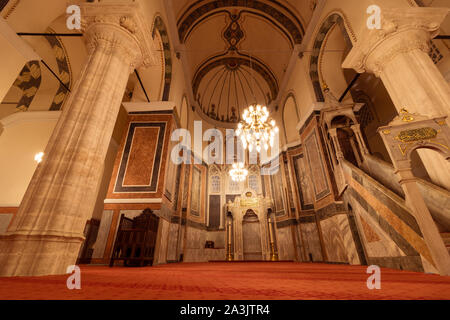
{"points": [[29, 81], [184, 111], [65, 73], [277, 14], [432, 146], [30, 78], [331, 21], [160, 27]]}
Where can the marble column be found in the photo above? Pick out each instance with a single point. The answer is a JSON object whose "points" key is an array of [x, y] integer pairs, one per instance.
{"points": [[355, 151], [336, 144], [398, 53], [338, 171], [47, 232], [359, 138]]}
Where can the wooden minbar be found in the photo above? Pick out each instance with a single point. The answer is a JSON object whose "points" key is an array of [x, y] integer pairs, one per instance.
{"points": [[136, 240]]}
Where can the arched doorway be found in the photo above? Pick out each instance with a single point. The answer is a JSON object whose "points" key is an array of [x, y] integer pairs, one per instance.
{"points": [[251, 234]]}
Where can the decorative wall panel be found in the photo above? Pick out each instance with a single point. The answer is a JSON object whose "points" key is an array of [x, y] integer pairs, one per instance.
{"points": [[304, 183], [214, 211], [196, 191], [187, 172], [141, 160], [316, 165], [277, 192], [140, 167]]}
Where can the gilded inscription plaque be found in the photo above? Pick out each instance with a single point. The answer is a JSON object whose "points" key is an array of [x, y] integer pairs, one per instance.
{"points": [[417, 134]]}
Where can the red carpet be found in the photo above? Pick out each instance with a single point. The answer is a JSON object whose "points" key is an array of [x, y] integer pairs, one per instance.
{"points": [[224, 281]]}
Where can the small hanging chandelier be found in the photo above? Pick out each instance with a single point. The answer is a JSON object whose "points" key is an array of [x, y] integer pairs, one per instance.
{"points": [[238, 173], [256, 130]]}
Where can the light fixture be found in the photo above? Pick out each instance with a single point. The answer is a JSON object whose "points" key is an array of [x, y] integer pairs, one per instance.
{"points": [[38, 157], [257, 130], [238, 173]]}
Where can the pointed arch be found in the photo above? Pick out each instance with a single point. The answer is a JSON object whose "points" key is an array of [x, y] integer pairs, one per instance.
{"points": [[314, 67]]}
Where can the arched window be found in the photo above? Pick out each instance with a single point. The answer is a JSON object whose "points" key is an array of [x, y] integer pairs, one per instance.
{"points": [[215, 184], [253, 183], [234, 187]]}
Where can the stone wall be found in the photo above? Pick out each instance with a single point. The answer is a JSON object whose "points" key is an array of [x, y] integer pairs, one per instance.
{"points": [[338, 240], [285, 241]]}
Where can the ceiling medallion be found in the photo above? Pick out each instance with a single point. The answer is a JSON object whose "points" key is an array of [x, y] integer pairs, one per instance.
{"points": [[257, 130], [238, 173]]}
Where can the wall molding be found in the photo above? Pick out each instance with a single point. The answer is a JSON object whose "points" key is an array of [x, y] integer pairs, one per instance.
{"points": [[29, 116], [133, 201]]}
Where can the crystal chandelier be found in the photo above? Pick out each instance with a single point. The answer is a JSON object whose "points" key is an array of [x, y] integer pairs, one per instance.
{"points": [[257, 130], [238, 173]]}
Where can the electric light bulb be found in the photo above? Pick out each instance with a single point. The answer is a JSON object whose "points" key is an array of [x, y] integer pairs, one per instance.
{"points": [[272, 123], [38, 157], [251, 109], [258, 148], [266, 146]]}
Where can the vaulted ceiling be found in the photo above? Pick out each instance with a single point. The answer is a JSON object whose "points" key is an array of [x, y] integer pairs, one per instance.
{"points": [[238, 50]]}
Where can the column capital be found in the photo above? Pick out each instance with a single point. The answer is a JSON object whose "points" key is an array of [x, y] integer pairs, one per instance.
{"points": [[332, 132], [119, 26], [402, 30]]}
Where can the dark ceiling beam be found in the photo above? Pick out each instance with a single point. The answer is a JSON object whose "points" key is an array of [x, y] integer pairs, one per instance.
{"points": [[55, 75], [142, 85], [33, 34], [349, 86], [445, 37]]}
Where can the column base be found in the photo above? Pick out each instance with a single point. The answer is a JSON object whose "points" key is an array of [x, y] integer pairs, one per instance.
{"points": [[37, 255]]}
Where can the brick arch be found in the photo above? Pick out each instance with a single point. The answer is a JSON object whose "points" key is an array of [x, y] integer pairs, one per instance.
{"points": [[29, 81], [3, 4], [64, 70], [327, 25], [160, 26]]}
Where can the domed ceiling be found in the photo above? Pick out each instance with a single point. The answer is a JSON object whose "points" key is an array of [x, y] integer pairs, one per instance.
{"points": [[238, 50]]}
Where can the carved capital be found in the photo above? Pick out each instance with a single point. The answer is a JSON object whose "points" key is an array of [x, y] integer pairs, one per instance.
{"points": [[402, 30], [121, 28]]}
